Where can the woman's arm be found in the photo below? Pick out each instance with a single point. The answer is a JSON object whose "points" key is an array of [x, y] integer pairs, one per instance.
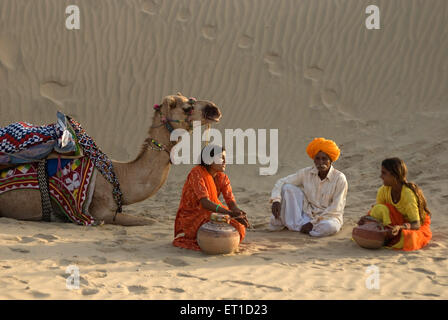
{"points": [[236, 213], [406, 226], [223, 181], [234, 208], [211, 206]]}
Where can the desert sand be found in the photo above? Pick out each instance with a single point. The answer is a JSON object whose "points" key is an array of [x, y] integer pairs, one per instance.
{"points": [[308, 68]]}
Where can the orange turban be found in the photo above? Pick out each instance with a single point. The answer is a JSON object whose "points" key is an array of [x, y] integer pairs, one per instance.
{"points": [[324, 145]]}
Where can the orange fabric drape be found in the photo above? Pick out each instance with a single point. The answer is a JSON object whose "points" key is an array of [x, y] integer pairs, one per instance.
{"points": [[413, 239], [191, 215]]}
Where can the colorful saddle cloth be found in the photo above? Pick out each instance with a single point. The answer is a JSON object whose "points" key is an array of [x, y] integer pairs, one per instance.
{"points": [[22, 142], [21, 135], [71, 186], [101, 161]]}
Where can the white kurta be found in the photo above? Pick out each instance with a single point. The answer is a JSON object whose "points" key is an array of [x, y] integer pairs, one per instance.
{"points": [[306, 198]]}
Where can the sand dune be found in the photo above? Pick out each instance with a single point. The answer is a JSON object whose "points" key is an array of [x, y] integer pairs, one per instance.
{"points": [[307, 68]]}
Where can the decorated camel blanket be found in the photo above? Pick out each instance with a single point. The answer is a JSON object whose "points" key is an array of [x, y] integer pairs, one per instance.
{"points": [[21, 135], [71, 184], [22, 142]]}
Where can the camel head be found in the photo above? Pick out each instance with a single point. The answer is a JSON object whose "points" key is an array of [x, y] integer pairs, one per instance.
{"points": [[181, 111]]}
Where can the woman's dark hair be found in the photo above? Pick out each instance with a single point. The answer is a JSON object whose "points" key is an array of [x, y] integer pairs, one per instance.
{"points": [[398, 169], [209, 152]]}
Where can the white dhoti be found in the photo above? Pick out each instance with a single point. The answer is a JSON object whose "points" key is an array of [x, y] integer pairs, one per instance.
{"points": [[293, 217]]}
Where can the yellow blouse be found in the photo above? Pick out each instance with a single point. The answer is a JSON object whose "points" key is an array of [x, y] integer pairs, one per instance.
{"points": [[407, 205]]}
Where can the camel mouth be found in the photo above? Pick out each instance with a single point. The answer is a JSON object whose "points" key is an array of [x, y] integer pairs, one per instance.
{"points": [[211, 119], [211, 113]]}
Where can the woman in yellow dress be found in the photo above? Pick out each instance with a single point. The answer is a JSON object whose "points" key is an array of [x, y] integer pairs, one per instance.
{"points": [[402, 208]]}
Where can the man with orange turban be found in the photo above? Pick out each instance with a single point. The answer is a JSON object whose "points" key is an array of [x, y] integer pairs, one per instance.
{"points": [[312, 200]]}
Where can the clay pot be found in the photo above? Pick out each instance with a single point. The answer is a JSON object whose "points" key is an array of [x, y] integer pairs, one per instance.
{"points": [[216, 237], [370, 235]]}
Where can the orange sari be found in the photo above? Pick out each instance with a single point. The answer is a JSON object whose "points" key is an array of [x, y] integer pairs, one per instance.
{"points": [[191, 215], [413, 239]]}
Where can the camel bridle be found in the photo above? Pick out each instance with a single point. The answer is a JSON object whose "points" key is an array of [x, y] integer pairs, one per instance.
{"points": [[154, 145]]}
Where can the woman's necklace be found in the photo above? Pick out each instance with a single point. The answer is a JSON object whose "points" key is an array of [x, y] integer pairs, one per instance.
{"points": [[396, 195]]}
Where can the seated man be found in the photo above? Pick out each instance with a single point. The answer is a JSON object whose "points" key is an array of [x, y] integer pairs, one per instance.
{"points": [[312, 200]]}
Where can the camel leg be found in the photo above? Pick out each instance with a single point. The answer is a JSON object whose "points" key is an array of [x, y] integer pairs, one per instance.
{"points": [[124, 219]]}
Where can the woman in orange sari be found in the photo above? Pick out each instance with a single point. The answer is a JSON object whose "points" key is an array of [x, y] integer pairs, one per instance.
{"points": [[402, 208], [200, 193]]}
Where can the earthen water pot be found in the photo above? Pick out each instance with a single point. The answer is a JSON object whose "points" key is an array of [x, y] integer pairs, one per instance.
{"points": [[218, 236], [370, 235]]}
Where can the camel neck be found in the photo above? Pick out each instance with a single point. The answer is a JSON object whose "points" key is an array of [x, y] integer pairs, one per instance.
{"points": [[144, 176], [160, 133]]}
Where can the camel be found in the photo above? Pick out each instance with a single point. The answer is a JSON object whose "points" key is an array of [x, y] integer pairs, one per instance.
{"points": [[139, 179]]}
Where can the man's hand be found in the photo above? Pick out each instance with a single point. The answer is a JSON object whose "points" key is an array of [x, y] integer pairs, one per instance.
{"points": [[306, 228], [276, 207]]}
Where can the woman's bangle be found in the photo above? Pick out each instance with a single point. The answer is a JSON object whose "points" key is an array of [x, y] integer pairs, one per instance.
{"points": [[216, 210]]}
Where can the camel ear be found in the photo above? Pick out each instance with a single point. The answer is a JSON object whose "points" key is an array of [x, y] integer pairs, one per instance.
{"points": [[169, 101]]}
